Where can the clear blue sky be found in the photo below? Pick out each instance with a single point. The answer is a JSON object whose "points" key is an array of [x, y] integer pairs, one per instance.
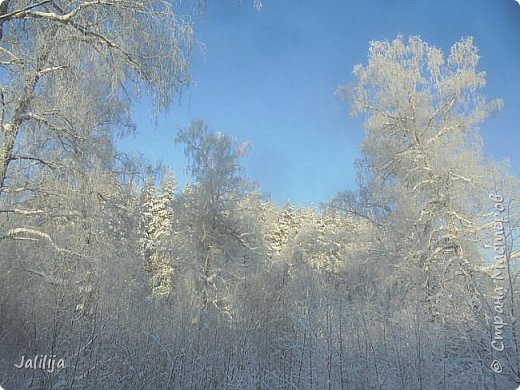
{"points": [[269, 77]]}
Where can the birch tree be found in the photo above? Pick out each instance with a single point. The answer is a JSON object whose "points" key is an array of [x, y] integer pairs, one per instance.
{"points": [[423, 153], [49, 48], [70, 71], [214, 223]]}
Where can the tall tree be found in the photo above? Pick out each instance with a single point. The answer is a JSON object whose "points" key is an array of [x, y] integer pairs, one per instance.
{"points": [[48, 50], [160, 232], [214, 223], [156, 233], [423, 156]]}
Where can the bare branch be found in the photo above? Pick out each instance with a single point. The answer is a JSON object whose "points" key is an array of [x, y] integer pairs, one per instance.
{"points": [[22, 12], [47, 279], [31, 158], [23, 212]]}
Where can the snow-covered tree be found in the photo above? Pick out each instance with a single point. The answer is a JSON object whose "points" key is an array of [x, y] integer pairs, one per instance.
{"points": [[423, 156], [286, 228], [162, 209], [157, 230], [57, 55], [147, 203], [213, 217]]}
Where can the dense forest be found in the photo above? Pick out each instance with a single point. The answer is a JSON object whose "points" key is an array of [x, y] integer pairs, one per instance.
{"points": [[112, 277]]}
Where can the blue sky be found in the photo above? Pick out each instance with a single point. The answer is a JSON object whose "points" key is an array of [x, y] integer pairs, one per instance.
{"points": [[269, 78]]}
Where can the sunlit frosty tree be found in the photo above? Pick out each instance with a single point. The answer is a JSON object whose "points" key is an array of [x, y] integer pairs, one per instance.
{"points": [[213, 224], [157, 229], [423, 158]]}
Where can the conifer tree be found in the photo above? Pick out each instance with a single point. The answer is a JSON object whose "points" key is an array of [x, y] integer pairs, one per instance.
{"points": [[157, 224]]}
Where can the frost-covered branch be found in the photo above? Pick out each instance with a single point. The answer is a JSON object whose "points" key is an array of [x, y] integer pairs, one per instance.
{"points": [[29, 234]]}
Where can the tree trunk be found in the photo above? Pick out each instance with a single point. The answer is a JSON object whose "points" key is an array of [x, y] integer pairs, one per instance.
{"points": [[9, 138], [10, 130]]}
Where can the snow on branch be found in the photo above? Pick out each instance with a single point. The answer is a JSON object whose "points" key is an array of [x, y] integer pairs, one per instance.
{"points": [[28, 234], [22, 12]]}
